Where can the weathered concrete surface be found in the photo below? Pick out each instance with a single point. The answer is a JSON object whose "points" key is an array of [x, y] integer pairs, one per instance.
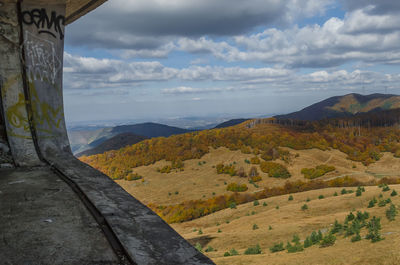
{"points": [[16, 117], [146, 238], [43, 45], [42, 221]]}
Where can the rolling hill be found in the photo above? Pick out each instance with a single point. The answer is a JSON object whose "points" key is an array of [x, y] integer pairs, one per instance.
{"points": [[230, 123], [228, 190], [345, 106], [114, 143], [88, 139]]}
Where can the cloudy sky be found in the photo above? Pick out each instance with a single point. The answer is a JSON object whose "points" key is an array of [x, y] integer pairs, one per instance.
{"points": [[147, 59]]}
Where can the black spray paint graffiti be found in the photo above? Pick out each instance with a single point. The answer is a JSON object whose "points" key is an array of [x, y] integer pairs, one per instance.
{"points": [[43, 23]]}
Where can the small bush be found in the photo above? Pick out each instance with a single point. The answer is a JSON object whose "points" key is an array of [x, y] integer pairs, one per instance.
{"points": [[356, 238], [336, 227], [236, 187], [200, 232], [277, 207], [394, 193], [277, 247], [253, 250], [255, 160], [210, 249], [133, 176], [232, 205], [385, 188], [256, 202], [232, 252], [320, 197], [374, 225], [198, 247], [372, 202], [391, 212], [269, 227], [275, 170], [247, 161], [343, 191], [318, 171], [296, 247], [219, 230], [335, 194], [255, 226], [265, 204], [328, 240], [290, 198], [304, 207]]}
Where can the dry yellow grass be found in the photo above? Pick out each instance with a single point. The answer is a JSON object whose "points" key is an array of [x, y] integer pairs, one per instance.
{"points": [[201, 181], [289, 219]]}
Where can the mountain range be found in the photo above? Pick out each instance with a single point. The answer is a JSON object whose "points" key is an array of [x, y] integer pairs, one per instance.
{"points": [[345, 106]]}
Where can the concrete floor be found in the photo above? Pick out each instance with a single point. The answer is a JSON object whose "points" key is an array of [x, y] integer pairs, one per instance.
{"points": [[42, 221]]}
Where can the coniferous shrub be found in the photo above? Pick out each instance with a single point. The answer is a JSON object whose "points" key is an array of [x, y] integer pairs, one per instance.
{"points": [[356, 238], [394, 193], [296, 247], [253, 250], [328, 240], [277, 247], [391, 212], [372, 202], [336, 227], [350, 217], [315, 237], [307, 242], [374, 225], [385, 188]]}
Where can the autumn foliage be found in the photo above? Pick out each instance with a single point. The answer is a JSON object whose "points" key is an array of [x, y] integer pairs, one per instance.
{"points": [[193, 209], [318, 171]]}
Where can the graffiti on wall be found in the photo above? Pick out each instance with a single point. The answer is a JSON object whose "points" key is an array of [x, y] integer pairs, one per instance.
{"points": [[47, 117], [45, 25], [43, 63]]}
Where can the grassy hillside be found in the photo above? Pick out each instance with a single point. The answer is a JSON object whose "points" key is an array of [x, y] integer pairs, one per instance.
{"points": [[234, 228]]}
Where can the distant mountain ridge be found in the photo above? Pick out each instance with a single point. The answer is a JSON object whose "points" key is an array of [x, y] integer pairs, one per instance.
{"points": [[85, 140], [114, 143], [344, 106]]}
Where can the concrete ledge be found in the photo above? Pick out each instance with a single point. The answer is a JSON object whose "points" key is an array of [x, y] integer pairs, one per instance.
{"points": [[146, 238], [42, 221]]}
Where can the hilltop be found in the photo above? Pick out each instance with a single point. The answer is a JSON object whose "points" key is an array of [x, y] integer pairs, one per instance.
{"points": [[345, 106]]}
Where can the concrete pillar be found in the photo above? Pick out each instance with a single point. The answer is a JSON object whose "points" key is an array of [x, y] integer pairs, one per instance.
{"points": [[31, 61]]}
